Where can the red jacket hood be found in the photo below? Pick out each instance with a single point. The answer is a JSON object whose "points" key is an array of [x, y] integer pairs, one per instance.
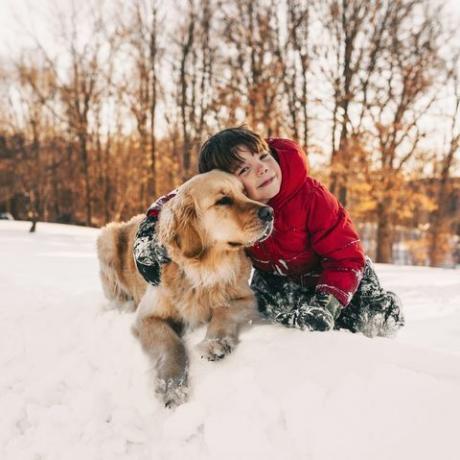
{"points": [[293, 164]]}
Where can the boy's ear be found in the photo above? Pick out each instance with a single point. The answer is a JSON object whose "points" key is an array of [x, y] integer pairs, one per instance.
{"points": [[179, 227]]}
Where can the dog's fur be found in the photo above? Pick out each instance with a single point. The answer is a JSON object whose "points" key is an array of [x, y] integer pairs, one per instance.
{"points": [[121, 281], [204, 228]]}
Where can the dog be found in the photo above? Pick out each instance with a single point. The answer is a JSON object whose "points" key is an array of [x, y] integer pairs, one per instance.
{"points": [[205, 228]]}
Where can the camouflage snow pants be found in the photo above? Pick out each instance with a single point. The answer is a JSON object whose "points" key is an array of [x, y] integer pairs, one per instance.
{"points": [[372, 310]]}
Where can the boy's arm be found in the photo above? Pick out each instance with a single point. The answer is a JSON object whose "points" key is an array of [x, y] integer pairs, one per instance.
{"points": [[148, 253], [335, 240]]}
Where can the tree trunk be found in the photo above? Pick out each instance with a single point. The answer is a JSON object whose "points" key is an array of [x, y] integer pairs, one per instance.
{"points": [[84, 157], [33, 226], [384, 250], [439, 243]]}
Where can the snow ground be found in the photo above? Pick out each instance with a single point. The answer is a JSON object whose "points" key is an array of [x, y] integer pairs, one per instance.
{"points": [[74, 383]]}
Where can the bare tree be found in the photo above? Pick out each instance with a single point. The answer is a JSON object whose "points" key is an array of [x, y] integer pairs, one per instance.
{"points": [[31, 136], [138, 36], [194, 73], [405, 92], [296, 62], [254, 66], [441, 222], [354, 42], [79, 90]]}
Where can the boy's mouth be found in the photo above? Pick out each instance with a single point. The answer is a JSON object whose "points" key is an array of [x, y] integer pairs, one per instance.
{"points": [[267, 182]]}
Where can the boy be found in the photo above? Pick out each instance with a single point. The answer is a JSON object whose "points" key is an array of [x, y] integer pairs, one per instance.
{"points": [[311, 273]]}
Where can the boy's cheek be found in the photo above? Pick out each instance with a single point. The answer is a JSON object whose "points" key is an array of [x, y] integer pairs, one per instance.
{"points": [[245, 190]]}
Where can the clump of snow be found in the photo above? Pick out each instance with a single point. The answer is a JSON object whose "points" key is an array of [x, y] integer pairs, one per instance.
{"points": [[74, 383]]}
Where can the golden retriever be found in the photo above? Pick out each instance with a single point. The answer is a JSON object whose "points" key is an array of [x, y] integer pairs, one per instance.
{"points": [[205, 228]]}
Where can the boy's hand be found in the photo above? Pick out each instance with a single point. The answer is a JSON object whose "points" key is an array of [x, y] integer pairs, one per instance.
{"points": [[319, 315], [329, 302], [148, 253]]}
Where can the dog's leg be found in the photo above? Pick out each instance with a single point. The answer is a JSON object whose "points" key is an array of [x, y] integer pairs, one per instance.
{"points": [[222, 334], [167, 352]]}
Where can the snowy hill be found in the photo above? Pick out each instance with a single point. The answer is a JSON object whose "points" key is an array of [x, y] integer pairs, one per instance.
{"points": [[74, 383]]}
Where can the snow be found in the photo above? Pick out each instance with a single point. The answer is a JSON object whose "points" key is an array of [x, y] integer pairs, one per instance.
{"points": [[74, 383]]}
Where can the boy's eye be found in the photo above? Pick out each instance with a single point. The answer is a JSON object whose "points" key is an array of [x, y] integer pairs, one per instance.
{"points": [[263, 156], [243, 170], [224, 201]]}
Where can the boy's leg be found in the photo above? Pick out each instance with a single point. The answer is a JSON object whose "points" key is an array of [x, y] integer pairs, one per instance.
{"points": [[373, 310], [283, 301]]}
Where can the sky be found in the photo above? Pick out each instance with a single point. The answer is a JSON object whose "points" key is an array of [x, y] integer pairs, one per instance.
{"points": [[18, 16]]}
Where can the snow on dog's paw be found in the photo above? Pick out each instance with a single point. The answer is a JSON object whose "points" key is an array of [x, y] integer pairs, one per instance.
{"points": [[215, 349], [172, 392]]}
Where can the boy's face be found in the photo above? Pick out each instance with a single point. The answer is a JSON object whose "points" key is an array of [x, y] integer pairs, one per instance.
{"points": [[259, 173]]}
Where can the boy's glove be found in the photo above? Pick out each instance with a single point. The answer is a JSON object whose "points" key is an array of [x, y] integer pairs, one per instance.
{"points": [[318, 315], [148, 253]]}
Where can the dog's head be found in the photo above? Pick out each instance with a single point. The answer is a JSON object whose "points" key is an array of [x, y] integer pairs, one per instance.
{"points": [[211, 210]]}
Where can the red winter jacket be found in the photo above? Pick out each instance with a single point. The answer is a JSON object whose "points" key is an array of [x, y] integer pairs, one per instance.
{"points": [[314, 241]]}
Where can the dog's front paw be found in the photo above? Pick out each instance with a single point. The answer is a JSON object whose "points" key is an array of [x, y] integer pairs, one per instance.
{"points": [[173, 392], [215, 349]]}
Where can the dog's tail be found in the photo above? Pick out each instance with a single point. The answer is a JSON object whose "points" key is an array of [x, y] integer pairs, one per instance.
{"points": [[109, 263]]}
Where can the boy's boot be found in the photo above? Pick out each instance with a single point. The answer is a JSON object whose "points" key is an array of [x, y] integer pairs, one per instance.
{"points": [[373, 310]]}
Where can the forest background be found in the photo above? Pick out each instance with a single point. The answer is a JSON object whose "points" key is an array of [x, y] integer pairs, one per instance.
{"points": [[105, 106]]}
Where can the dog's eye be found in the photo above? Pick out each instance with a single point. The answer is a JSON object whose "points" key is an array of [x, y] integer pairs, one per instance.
{"points": [[224, 201]]}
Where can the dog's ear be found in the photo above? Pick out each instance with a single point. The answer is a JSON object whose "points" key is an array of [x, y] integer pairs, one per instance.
{"points": [[179, 226]]}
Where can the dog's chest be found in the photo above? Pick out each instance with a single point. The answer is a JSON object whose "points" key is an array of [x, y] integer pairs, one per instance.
{"points": [[195, 304], [209, 277], [195, 289]]}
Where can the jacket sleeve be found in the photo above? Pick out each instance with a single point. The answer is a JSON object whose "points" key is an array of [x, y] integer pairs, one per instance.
{"points": [[148, 253], [335, 240]]}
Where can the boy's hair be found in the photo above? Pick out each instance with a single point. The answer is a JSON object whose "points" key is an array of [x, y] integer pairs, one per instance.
{"points": [[220, 151]]}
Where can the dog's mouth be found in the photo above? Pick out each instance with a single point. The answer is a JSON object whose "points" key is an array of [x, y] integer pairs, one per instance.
{"points": [[235, 244], [266, 233]]}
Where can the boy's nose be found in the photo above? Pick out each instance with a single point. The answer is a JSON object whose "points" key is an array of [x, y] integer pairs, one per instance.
{"points": [[262, 169]]}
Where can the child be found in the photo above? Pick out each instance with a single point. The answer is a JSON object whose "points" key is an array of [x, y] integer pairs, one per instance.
{"points": [[311, 273]]}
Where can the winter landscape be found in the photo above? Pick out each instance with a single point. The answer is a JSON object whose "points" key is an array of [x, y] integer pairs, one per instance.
{"points": [[74, 382]]}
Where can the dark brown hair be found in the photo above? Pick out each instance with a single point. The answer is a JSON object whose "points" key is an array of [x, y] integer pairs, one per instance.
{"points": [[220, 151]]}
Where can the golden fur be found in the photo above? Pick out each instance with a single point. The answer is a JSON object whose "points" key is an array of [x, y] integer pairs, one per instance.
{"points": [[120, 279], [204, 228]]}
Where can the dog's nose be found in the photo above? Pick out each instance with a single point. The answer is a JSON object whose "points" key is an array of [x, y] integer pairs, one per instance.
{"points": [[265, 214]]}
